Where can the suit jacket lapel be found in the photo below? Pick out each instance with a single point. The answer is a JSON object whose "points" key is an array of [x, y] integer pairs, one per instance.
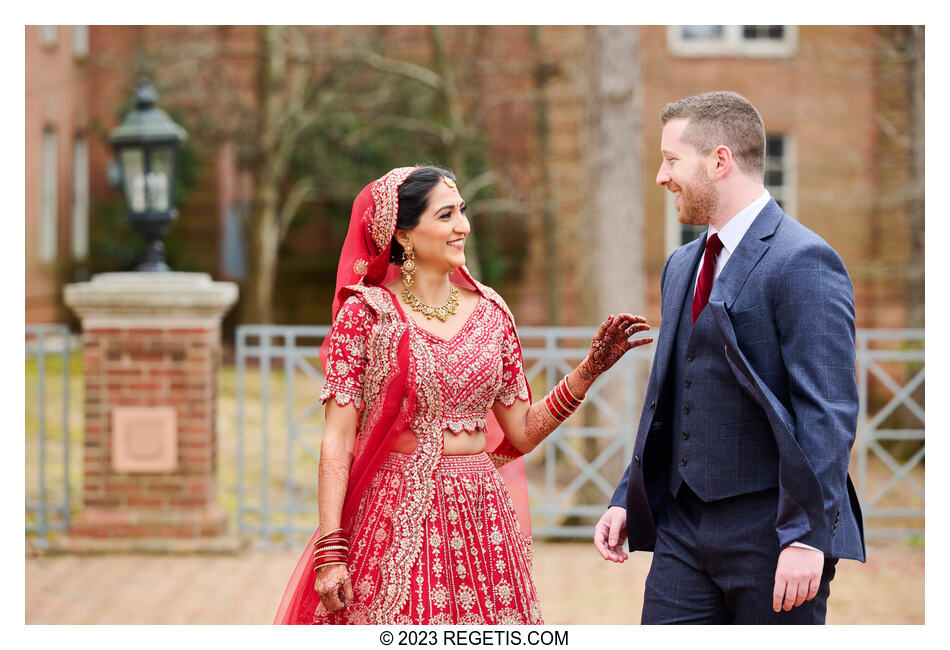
{"points": [[678, 289], [751, 248]]}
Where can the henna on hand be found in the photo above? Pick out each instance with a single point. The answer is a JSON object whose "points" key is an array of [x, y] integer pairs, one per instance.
{"points": [[333, 586], [611, 342]]}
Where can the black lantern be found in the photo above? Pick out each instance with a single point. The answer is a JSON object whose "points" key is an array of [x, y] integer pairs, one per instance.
{"points": [[146, 145]]}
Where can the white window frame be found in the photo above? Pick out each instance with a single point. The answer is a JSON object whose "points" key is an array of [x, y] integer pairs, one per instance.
{"points": [[49, 35], [733, 43], [49, 210], [80, 41], [786, 194], [80, 224]]}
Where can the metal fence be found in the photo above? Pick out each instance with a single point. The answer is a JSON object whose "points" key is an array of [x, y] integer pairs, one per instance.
{"points": [[895, 359], [572, 475], [279, 424], [47, 454]]}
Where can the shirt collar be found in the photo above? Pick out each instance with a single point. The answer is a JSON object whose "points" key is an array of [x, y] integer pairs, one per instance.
{"points": [[732, 233]]}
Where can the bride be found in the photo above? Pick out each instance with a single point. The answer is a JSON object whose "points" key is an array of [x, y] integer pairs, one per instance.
{"points": [[426, 406]]}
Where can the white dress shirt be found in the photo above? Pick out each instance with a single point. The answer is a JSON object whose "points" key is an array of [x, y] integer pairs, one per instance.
{"points": [[732, 233], [730, 236]]}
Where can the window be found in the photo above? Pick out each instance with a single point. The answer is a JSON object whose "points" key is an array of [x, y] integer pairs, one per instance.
{"points": [[49, 34], [80, 229], [48, 207], [733, 40], [80, 41], [780, 181], [780, 166]]}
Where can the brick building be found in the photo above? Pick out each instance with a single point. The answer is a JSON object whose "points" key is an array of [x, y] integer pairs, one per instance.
{"points": [[833, 99]]}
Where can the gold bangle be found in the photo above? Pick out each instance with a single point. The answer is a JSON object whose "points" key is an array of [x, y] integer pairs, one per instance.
{"points": [[328, 564], [560, 402], [578, 400], [338, 530], [553, 409], [569, 403]]}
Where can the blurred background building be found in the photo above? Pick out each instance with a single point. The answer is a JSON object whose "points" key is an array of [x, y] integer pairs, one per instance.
{"points": [[554, 135], [553, 132]]}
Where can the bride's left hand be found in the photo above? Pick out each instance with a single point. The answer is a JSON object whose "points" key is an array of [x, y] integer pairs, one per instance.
{"points": [[611, 342]]}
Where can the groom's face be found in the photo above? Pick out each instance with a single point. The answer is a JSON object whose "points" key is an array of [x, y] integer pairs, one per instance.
{"points": [[683, 172]]}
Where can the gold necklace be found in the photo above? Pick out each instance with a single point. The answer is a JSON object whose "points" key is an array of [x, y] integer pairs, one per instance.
{"points": [[442, 313]]}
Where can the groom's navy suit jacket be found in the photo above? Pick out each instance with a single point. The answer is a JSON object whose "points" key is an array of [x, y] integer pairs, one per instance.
{"points": [[777, 405]]}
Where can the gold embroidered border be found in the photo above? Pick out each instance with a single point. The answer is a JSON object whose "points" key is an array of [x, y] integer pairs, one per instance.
{"points": [[385, 193]]}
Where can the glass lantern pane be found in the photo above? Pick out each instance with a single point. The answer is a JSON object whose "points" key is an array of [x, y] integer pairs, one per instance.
{"points": [[159, 178], [133, 178]]}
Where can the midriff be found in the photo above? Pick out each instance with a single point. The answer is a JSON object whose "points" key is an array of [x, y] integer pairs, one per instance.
{"points": [[453, 444]]}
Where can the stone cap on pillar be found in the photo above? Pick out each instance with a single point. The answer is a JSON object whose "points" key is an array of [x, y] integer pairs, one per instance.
{"points": [[151, 297]]}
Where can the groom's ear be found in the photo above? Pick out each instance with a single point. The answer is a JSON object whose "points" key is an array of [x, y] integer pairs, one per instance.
{"points": [[721, 161]]}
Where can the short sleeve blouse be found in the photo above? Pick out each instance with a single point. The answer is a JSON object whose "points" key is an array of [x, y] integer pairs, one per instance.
{"points": [[477, 367], [346, 353]]}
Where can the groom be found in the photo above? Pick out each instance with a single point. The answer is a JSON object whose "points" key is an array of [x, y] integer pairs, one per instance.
{"points": [[739, 478]]}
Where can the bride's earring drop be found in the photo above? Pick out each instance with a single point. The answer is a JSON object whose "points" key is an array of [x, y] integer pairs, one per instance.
{"points": [[408, 264]]}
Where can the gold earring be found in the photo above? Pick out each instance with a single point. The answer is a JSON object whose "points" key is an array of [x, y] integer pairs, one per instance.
{"points": [[408, 264]]}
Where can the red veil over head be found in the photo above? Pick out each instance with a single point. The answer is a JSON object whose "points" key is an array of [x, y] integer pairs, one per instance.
{"points": [[364, 260]]}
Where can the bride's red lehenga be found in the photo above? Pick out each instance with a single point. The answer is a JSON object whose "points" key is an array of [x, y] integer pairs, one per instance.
{"points": [[433, 539]]}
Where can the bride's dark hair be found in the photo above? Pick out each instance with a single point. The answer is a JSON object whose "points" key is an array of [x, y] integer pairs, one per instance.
{"points": [[413, 199]]}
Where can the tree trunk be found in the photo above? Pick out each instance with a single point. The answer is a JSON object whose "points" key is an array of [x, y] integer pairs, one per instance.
{"points": [[914, 65], [458, 140], [268, 170], [552, 289], [612, 271]]}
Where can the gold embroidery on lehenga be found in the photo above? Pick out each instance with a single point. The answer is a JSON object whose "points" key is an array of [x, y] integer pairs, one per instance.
{"points": [[435, 539]]}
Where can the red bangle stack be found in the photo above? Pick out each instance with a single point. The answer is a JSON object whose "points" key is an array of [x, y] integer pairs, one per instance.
{"points": [[560, 402], [331, 548]]}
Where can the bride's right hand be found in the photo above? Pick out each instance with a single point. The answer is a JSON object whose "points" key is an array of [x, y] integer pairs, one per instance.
{"points": [[333, 586]]}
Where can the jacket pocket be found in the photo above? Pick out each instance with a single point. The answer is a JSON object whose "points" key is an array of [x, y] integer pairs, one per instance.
{"points": [[746, 316], [745, 428]]}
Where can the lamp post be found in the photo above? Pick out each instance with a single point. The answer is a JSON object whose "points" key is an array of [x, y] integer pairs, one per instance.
{"points": [[146, 145]]}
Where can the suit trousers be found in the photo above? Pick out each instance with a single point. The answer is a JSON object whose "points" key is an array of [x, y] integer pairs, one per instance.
{"points": [[714, 563]]}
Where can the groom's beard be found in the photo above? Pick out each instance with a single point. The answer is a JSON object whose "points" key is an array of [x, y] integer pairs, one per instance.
{"points": [[700, 201]]}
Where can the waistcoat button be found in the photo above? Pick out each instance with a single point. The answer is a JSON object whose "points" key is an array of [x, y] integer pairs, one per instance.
{"points": [[687, 383], [690, 356], [683, 462], [686, 435], [685, 409]]}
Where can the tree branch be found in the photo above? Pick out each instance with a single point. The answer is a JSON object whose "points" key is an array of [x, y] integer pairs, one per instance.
{"points": [[301, 191]]}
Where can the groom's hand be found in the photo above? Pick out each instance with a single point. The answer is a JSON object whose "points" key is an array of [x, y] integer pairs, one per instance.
{"points": [[610, 533], [797, 577]]}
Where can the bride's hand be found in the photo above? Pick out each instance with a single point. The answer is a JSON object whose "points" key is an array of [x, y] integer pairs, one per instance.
{"points": [[611, 342], [333, 586]]}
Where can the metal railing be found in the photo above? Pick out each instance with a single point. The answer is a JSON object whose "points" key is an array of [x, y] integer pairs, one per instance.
{"points": [[572, 475], [907, 362], [47, 498], [279, 426]]}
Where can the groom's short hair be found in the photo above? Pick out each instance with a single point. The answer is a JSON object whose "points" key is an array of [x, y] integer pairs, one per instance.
{"points": [[722, 118]]}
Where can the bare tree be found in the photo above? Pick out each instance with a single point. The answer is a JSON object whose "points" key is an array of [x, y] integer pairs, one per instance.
{"points": [[612, 266]]}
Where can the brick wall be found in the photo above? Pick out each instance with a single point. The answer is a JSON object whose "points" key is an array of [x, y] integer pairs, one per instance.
{"points": [[833, 96], [139, 366]]}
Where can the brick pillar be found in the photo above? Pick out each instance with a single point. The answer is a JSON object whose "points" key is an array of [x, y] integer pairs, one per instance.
{"points": [[151, 352]]}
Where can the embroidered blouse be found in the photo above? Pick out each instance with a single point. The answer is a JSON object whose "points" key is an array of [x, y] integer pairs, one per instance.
{"points": [[478, 366]]}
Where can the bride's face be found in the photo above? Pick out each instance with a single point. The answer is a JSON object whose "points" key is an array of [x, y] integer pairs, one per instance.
{"points": [[439, 237]]}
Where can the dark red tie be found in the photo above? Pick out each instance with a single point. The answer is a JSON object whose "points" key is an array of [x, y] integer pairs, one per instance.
{"points": [[706, 275]]}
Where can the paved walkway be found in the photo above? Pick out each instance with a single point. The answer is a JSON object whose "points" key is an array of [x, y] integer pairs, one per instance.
{"points": [[576, 587]]}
